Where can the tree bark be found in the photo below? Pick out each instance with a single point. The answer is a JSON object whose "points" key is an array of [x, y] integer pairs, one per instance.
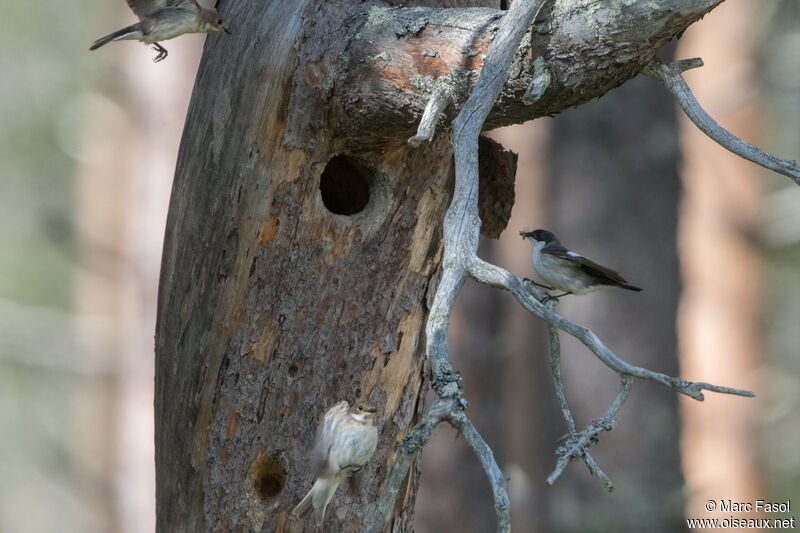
{"points": [[304, 234]]}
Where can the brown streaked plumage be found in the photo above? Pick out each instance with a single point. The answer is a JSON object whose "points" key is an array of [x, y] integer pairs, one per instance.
{"points": [[345, 441]]}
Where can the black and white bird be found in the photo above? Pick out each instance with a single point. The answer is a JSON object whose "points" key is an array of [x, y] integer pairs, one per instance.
{"points": [[160, 20], [345, 441], [568, 271]]}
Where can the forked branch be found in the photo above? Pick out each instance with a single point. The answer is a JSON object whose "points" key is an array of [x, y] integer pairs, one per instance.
{"points": [[576, 444]]}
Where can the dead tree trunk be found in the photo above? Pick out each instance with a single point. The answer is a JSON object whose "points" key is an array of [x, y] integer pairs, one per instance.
{"points": [[304, 233]]}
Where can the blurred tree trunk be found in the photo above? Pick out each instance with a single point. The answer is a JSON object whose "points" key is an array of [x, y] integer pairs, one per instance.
{"points": [[100, 220], [123, 183], [613, 196], [530, 419], [720, 319]]}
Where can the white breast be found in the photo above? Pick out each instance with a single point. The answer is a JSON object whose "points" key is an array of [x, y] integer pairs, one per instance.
{"points": [[353, 444], [560, 274]]}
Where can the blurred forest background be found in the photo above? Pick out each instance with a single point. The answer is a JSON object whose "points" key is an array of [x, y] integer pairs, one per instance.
{"points": [[88, 144]]}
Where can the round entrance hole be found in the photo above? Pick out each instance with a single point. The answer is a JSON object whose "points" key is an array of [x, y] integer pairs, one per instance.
{"points": [[267, 475], [345, 185]]}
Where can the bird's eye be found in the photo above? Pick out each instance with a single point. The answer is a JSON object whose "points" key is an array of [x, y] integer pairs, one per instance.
{"points": [[220, 22], [360, 407]]}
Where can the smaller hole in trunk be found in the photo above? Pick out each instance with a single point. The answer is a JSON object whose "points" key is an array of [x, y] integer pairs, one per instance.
{"points": [[268, 475]]}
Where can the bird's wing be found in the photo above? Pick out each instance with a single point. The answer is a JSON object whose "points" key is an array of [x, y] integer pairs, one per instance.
{"points": [[143, 8], [587, 265], [322, 443]]}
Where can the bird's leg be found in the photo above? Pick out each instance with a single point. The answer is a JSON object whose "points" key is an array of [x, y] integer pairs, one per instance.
{"points": [[549, 288], [354, 483], [351, 469], [162, 52], [554, 297]]}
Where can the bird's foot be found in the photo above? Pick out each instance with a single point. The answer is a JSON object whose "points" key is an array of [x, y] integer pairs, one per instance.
{"points": [[162, 53], [554, 297], [351, 469], [538, 284]]}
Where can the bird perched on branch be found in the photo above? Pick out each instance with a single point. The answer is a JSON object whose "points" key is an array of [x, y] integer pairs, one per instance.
{"points": [[345, 441], [160, 20], [567, 271]]}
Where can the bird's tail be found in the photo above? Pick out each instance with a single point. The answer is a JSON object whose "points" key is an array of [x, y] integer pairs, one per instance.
{"points": [[317, 500], [630, 287], [117, 35], [305, 506]]}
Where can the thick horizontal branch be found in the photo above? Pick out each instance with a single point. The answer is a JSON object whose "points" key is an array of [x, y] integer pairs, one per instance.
{"points": [[670, 76], [582, 49]]}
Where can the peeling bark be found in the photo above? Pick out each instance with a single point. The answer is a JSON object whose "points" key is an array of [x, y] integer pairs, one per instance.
{"points": [[588, 47]]}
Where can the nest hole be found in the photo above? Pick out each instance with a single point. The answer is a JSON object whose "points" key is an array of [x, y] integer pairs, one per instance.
{"points": [[345, 185], [268, 475]]}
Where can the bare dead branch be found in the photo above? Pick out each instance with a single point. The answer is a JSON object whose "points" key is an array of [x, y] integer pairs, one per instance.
{"points": [[462, 223], [555, 369], [568, 453], [427, 125], [669, 75], [578, 444], [595, 470], [447, 89], [529, 297], [450, 410], [412, 443], [497, 480], [540, 82]]}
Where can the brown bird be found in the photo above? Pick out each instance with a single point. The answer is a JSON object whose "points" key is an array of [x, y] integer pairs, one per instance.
{"points": [[345, 441], [160, 20]]}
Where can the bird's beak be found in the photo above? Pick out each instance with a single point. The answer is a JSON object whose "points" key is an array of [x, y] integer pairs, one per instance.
{"points": [[523, 234], [372, 410], [228, 31]]}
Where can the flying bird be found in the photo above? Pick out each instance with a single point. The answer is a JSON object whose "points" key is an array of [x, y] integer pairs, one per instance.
{"points": [[568, 271], [345, 441], [160, 20]]}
